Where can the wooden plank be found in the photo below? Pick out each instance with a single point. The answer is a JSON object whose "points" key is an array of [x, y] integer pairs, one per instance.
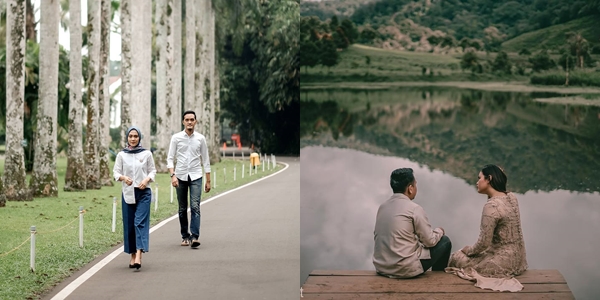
{"points": [[529, 276], [370, 284], [429, 296]]}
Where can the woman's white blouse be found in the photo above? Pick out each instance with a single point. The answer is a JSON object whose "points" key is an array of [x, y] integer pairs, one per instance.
{"points": [[137, 166]]}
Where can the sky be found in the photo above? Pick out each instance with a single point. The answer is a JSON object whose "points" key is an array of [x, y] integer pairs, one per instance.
{"points": [[64, 39]]}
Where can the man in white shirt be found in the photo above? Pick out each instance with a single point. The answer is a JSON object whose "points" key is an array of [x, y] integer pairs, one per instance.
{"points": [[405, 244], [190, 150]]}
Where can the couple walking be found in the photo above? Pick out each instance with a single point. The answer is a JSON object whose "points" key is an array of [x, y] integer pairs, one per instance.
{"points": [[406, 245], [134, 167]]}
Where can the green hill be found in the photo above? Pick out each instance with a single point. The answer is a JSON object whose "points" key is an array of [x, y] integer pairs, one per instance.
{"points": [[553, 37]]}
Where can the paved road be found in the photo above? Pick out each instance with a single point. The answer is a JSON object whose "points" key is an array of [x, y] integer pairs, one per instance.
{"points": [[250, 250]]}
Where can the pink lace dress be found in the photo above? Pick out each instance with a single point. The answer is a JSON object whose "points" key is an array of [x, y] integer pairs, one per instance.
{"points": [[500, 250]]}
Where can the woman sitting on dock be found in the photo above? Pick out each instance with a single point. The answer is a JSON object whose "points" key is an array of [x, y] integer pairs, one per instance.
{"points": [[500, 250]]}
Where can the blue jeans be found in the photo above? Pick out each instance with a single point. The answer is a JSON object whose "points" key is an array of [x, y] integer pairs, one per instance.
{"points": [[440, 254], [195, 188], [136, 221]]}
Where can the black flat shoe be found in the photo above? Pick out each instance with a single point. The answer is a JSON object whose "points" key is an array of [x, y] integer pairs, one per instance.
{"points": [[137, 266], [132, 266]]}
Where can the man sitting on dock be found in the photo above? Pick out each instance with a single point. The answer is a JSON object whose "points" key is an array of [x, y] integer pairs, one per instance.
{"points": [[405, 244]]}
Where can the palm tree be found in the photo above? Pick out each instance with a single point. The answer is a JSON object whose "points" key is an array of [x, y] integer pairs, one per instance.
{"points": [[141, 24], [44, 181], [104, 94], [174, 39], [126, 45], [579, 45], [14, 167], [75, 159], [165, 111], [190, 55], [93, 80], [206, 74]]}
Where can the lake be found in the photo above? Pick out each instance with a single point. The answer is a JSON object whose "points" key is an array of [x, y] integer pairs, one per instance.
{"points": [[351, 142]]}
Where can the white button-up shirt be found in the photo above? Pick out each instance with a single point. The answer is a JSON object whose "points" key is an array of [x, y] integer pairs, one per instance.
{"points": [[137, 166], [192, 154]]}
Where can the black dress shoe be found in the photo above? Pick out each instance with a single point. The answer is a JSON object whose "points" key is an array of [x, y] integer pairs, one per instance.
{"points": [[137, 266], [132, 266]]}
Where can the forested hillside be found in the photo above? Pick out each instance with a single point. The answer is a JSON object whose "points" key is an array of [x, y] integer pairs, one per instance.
{"points": [[473, 19]]}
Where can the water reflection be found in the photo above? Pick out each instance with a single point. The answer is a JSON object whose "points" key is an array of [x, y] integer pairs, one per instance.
{"points": [[551, 153], [342, 189], [546, 146]]}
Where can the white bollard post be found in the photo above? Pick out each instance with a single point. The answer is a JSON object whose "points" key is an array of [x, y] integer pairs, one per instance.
{"points": [[81, 226], [263, 165], [114, 219], [268, 163], [225, 174], [216, 175], [32, 252], [243, 165], [155, 195], [234, 171], [171, 193], [156, 183]]}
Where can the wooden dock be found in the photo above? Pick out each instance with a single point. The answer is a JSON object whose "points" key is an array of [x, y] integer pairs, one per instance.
{"points": [[359, 284]]}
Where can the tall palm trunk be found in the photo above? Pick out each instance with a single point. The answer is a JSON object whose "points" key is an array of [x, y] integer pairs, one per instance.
{"points": [[175, 40], [189, 69], [126, 48], [202, 9], [93, 80], [164, 107], [141, 24], [199, 47], [30, 22], [215, 150], [43, 181], [211, 134], [14, 185], [206, 63], [104, 95], [75, 162]]}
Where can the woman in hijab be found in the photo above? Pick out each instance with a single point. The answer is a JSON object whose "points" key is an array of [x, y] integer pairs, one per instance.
{"points": [[134, 167]]}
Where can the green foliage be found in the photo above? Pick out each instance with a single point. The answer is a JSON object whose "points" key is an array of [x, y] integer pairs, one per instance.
{"points": [[470, 61], [567, 60], [541, 61], [309, 54], [576, 78], [553, 37], [524, 51], [319, 41], [501, 63], [469, 18], [261, 85], [329, 54]]}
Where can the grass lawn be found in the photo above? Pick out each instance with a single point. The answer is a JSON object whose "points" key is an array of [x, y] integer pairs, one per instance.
{"points": [[56, 219], [394, 66]]}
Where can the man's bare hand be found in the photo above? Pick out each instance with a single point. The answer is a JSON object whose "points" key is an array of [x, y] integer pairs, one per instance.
{"points": [[207, 187], [174, 181]]}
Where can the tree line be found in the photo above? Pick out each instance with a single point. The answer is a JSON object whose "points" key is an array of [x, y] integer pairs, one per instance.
{"points": [[320, 41], [174, 57]]}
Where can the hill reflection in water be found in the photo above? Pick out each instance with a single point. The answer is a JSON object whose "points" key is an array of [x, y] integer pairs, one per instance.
{"points": [[542, 146]]}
